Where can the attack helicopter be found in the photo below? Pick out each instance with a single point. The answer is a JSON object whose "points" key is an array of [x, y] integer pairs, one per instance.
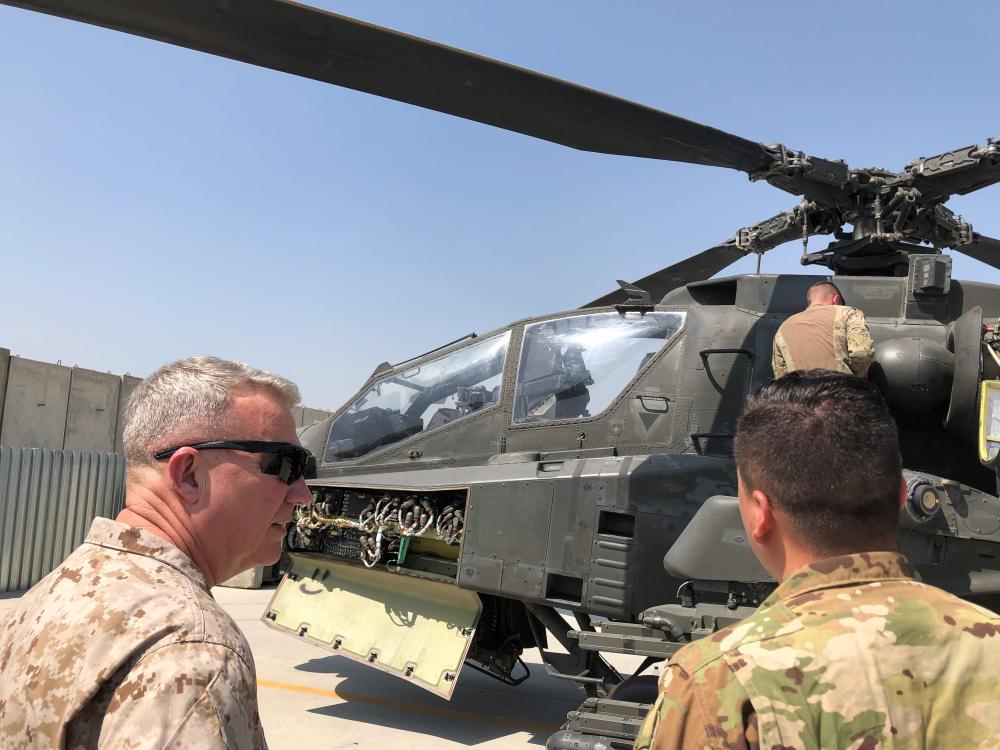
{"points": [[580, 462]]}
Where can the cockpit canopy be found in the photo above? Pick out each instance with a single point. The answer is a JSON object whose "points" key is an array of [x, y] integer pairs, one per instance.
{"points": [[423, 397], [572, 367]]}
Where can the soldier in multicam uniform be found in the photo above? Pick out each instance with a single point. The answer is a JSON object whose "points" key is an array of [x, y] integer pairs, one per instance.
{"points": [[851, 650], [827, 335], [123, 646]]}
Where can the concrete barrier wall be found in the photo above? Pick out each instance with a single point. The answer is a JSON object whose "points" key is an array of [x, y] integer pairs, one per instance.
{"points": [[304, 416], [35, 405], [4, 368], [60, 408], [129, 382], [92, 414], [70, 408]]}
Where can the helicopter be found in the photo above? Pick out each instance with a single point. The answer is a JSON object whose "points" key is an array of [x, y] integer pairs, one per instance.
{"points": [[581, 461]]}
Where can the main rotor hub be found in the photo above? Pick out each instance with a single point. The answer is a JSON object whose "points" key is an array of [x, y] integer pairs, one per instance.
{"points": [[892, 213]]}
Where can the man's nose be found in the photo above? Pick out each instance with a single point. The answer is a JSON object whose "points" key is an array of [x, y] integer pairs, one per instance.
{"points": [[299, 494]]}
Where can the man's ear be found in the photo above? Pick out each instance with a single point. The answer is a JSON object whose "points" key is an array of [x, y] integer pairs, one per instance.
{"points": [[181, 470], [760, 519], [903, 492]]}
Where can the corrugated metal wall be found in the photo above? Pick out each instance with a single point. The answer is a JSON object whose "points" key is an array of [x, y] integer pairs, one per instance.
{"points": [[47, 501]]}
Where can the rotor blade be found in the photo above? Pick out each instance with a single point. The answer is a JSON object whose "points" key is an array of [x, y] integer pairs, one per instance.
{"points": [[957, 172], [982, 248], [759, 238], [704, 265], [316, 44]]}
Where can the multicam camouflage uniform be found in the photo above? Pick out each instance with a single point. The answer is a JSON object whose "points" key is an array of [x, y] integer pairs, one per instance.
{"points": [[123, 646], [849, 652], [826, 337]]}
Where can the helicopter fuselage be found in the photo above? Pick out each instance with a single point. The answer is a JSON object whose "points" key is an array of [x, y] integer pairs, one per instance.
{"points": [[577, 448]]}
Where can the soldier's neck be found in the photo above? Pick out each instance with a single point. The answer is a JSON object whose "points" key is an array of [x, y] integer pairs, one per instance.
{"points": [[149, 510], [796, 557]]}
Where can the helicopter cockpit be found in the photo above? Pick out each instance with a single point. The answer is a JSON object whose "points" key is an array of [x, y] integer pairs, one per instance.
{"points": [[574, 367], [423, 397], [571, 367]]}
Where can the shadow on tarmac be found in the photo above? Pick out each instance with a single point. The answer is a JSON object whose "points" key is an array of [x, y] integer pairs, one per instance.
{"points": [[481, 709]]}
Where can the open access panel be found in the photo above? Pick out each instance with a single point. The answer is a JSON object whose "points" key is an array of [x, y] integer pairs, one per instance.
{"points": [[372, 578]]}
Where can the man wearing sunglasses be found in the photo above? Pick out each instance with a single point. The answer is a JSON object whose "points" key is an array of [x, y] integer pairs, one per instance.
{"points": [[123, 645]]}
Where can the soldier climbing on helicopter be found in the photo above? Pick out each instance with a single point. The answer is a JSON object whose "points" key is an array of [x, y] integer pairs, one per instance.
{"points": [[827, 335]]}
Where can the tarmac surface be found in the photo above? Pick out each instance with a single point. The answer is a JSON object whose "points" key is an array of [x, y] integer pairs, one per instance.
{"points": [[312, 699]]}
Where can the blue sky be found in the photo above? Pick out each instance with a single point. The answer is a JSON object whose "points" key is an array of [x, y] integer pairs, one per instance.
{"points": [[157, 202]]}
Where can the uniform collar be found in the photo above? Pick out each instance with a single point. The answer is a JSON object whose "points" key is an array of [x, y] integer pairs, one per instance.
{"points": [[846, 570], [119, 536]]}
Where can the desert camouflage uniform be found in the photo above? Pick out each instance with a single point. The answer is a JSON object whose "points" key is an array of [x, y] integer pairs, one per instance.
{"points": [[123, 646], [849, 652], [828, 337]]}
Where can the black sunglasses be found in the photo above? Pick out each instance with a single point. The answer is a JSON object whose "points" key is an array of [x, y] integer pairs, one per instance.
{"points": [[287, 461]]}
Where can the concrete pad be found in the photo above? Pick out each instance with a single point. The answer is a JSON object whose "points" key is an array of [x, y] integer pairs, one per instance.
{"points": [[309, 697]]}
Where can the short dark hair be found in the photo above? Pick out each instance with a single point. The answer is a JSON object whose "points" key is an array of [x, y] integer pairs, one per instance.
{"points": [[823, 283], [824, 449]]}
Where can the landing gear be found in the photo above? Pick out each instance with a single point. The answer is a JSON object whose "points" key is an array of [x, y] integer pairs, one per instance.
{"points": [[583, 666], [611, 721]]}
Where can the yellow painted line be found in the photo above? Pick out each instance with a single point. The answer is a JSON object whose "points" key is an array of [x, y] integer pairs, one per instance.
{"points": [[451, 713]]}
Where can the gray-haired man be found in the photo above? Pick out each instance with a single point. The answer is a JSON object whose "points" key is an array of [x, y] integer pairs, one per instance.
{"points": [[123, 645]]}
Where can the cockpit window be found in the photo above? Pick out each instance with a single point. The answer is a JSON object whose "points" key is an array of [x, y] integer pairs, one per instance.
{"points": [[420, 398], [573, 368]]}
